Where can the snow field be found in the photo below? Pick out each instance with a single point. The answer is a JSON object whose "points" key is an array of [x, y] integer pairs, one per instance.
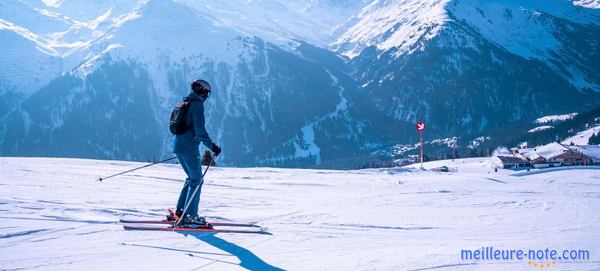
{"points": [[55, 216]]}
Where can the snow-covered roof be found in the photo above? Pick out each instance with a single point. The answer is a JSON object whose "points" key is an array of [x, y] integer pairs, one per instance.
{"points": [[533, 156], [588, 150], [547, 151], [512, 159], [525, 150]]}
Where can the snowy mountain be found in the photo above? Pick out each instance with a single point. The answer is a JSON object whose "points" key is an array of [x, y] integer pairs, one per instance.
{"points": [[46, 41], [468, 66], [297, 83], [140, 65], [587, 3], [56, 217], [281, 21]]}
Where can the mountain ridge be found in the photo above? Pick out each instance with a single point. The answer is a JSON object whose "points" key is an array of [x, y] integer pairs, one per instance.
{"points": [[281, 100]]}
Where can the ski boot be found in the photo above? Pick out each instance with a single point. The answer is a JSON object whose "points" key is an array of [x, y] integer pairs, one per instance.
{"points": [[194, 222], [172, 216]]}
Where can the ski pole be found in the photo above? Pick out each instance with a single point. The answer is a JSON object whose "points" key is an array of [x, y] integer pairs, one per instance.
{"points": [[189, 202], [127, 171]]}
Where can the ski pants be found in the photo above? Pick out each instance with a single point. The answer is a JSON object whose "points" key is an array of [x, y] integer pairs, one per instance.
{"points": [[192, 167]]}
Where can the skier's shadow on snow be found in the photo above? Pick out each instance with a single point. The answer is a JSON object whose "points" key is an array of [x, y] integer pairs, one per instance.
{"points": [[247, 259]]}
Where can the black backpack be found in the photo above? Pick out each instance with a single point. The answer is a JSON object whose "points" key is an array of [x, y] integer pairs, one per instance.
{"points": [[177, 123]]}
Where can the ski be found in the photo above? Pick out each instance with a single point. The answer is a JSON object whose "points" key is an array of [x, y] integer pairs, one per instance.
{"points": [[182, 229], [167, 222]]}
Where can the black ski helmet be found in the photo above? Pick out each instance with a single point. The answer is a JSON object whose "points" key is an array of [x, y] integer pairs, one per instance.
{"points": [[201, 87]]}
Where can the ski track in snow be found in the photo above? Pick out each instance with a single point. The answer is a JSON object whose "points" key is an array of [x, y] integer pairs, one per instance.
{"points": [[55, 216]]}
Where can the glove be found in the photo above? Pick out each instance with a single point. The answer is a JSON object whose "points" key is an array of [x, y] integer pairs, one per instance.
{"points": [[215, 149]]}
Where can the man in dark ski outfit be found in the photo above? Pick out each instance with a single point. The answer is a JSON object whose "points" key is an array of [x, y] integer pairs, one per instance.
{"points": [[186, 148]]}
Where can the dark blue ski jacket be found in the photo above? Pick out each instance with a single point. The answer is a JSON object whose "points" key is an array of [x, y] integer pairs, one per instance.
{"points": [[188, 142]]}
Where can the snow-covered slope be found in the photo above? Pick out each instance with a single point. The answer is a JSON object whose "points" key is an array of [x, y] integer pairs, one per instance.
{"points": [[588, 3], [465, 67], [552, 119], [42, 41], [27, 61], [583, 137], [529, 29], [538, 30], [139, 64], [390, 24], [282, 21], [55, 216], [555, 118], [540, 128]]}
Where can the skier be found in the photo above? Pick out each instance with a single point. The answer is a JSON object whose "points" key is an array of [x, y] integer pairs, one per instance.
{"points": [[186, 148]]}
